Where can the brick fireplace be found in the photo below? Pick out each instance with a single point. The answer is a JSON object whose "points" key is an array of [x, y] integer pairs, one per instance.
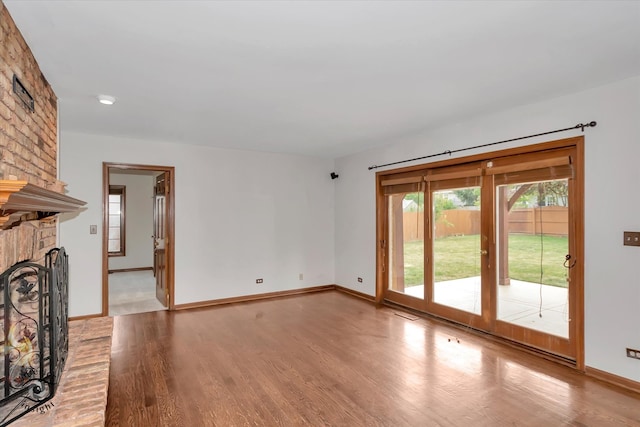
{"points": [[28, 141], [30, 198]]}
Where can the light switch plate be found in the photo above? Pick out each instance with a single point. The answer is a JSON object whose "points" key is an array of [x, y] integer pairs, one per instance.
{"points": [[93, 229]]}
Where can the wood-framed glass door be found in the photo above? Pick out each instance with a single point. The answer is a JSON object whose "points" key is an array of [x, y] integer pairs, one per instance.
{"points": [[536, 298], [405, 208], [495, 243], [457, 270]]}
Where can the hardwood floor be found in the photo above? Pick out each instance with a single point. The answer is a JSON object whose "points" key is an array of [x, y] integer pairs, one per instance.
{"points": [[331, 359]]}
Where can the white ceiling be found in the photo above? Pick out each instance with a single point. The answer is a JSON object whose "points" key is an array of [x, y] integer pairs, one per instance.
{"points": [[323, 78]]}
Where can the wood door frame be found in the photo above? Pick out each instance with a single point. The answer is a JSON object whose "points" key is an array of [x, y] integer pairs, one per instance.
{"points": [[170, 218], [577, 314]]}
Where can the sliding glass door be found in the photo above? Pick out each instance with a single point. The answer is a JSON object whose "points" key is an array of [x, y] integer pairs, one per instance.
{"points": [[494, 244], [406, 244], [456, 246], [534, 198], [404, 235]]}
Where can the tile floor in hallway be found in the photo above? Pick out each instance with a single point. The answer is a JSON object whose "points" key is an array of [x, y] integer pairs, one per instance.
{"points": [[132, 292]]}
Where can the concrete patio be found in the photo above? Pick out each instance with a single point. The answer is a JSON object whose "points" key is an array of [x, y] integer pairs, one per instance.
{"points": [[531, 305]]}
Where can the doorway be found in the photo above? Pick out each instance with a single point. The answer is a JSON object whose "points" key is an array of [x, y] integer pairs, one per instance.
{"points": [[137, 251], [493, 242]]}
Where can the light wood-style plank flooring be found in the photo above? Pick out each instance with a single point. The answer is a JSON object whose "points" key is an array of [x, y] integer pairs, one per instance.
{"points": [[329, 359]]}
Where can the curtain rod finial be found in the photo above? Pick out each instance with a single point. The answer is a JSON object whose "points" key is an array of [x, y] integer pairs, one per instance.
{"points": [[582, 125]]}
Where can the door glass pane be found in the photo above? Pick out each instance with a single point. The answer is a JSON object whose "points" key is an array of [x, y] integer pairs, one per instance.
{"points": [[456, 248], [532, 242], [406, 244]]}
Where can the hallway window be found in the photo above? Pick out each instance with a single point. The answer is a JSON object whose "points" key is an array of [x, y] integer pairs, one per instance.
{"points": [[117, 220]]}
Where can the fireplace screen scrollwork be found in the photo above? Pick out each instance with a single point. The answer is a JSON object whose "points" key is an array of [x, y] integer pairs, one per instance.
{"points": [[34, 328]]}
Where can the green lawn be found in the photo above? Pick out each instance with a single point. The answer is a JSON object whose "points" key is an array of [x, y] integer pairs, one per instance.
{"points": [[458, 257]]}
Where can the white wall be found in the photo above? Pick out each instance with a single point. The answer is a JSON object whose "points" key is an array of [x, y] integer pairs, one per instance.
{"points": [[139, 220], [240, 215], [612, 283], [243, 215]]}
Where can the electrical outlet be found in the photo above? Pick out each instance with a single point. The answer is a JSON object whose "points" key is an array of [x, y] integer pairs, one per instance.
{"points": [[359, 279], [634, 354], [300, 276], [258, 280], [631, 238]]}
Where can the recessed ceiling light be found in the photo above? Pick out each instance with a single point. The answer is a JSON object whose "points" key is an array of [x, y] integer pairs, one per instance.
{"points": [[106, 99]]}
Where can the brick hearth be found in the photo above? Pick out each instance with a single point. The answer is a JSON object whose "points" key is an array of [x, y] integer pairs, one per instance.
{"points": [[81, 399]]}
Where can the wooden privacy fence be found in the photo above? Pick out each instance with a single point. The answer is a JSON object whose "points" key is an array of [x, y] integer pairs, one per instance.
{"points": [[548, 220]]}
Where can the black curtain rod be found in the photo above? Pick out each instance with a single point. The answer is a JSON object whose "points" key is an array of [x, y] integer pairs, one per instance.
{"points": [[450, 152]]}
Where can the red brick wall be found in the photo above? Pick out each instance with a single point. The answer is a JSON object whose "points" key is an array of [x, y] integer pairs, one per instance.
{"points": [[28, 141]]}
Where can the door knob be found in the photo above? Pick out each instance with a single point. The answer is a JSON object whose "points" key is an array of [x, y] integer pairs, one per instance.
{"points": [[484, 252]]}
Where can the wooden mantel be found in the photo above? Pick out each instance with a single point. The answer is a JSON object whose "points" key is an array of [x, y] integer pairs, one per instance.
{"points": [[20, 200]]}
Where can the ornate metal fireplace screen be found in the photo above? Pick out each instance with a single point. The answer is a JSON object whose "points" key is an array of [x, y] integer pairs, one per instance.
{"points": [[34, 333]]}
